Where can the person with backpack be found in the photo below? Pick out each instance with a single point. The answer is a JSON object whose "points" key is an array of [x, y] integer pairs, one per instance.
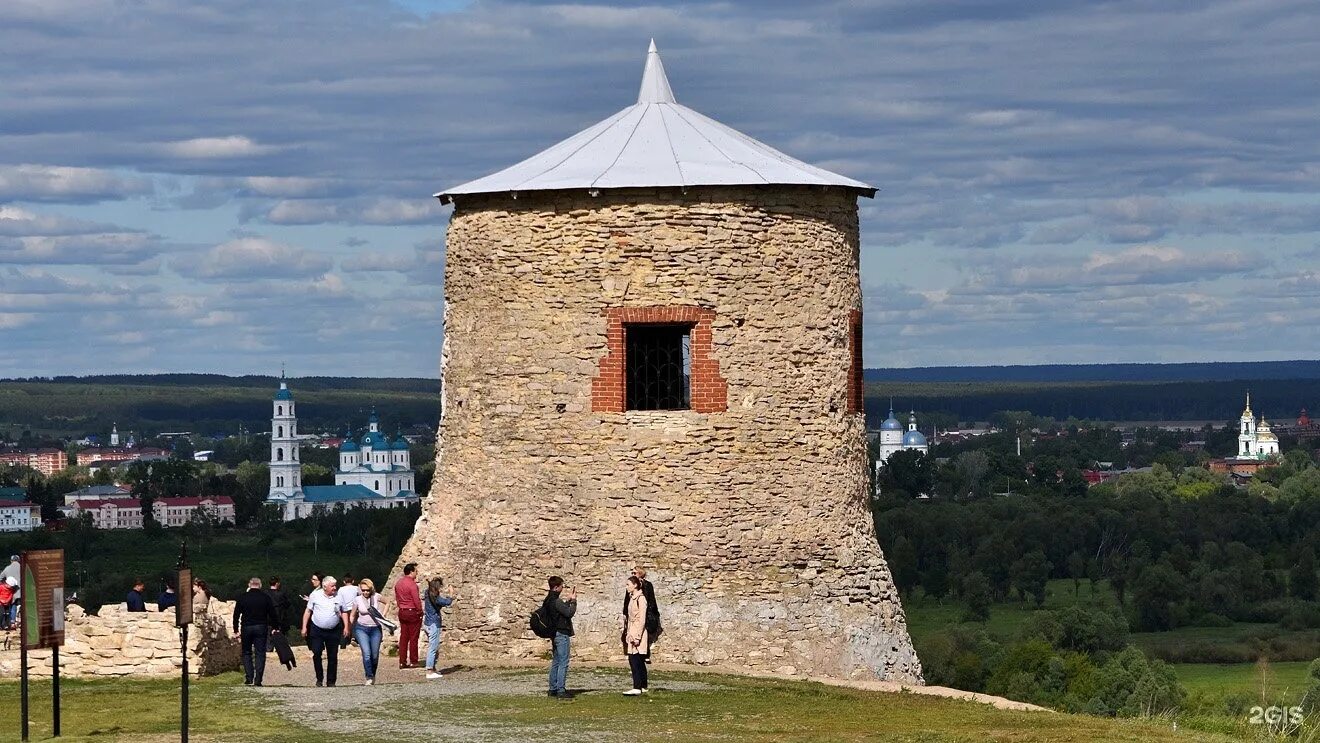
{"points": [[556, 619], [432, 603], [653, 628], [635, 642]]}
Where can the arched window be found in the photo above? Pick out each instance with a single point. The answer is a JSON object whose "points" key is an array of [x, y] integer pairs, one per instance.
{"points": [[377, 488], [279, 410], [279, 455], [281, 432]]}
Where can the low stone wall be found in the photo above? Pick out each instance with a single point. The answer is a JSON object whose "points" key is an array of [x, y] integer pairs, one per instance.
{"points": [[116, 642]]}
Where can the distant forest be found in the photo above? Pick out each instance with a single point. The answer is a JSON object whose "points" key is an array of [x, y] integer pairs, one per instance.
{"points": [[211, 404], [1195, 372]]}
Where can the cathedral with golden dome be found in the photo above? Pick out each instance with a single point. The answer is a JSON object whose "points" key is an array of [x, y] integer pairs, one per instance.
{"points": [[1255, 440]]}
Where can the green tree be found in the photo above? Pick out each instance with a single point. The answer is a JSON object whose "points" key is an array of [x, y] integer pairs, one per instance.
{"points": [[907, 471], [976, 596], [1076, 570], [1030, 574], [1301, 579], [1156, 595], [254, 482]]}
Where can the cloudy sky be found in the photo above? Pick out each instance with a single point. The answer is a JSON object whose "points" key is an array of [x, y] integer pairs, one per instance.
{"points": [[229, 185]]}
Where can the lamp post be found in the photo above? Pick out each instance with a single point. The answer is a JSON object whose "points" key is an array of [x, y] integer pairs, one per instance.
{"points": [[182, 618]]}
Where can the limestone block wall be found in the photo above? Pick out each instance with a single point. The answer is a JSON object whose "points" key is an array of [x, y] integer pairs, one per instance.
{"points": [[115, 642], [750, 515]]}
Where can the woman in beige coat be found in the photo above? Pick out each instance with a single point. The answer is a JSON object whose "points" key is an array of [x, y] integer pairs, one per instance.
{"points": [[635, 641]]}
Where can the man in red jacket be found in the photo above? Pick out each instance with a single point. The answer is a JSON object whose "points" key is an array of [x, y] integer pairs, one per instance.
{"points": [[408, 599]]}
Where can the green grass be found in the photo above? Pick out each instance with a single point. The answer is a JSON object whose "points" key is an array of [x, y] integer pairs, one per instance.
{"points": [[733, 709], [142, 710], [1219, 680], [756, 710]]}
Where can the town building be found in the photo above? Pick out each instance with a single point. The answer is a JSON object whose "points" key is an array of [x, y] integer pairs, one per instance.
{"points": [[372, 474], [116, 454], [16, 513], [126, 513], [96, 492], [47, 461], [893, 438], [653, 356]]}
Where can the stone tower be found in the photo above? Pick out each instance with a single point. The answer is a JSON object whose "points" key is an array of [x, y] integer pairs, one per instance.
{"points": [[652, 357], [285, 470]]}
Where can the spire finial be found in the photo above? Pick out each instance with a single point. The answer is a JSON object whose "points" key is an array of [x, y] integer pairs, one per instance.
{"points": [[655, 86]]}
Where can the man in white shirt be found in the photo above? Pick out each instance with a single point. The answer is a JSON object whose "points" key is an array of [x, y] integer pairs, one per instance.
{"points": [[325, 625]]}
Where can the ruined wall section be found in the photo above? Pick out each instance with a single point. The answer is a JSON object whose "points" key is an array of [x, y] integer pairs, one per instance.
{"points": [[752, 519]]}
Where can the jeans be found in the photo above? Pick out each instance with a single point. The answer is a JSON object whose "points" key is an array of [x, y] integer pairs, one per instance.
{"points": [[409, 630], [637, 664], [559, 662], [432, 645], [254, 652], [328, 640], [368, 639]]}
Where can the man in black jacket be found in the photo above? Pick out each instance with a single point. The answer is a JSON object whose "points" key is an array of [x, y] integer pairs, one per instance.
{"points": [[283, 606], [254, 613], [560, 603]]}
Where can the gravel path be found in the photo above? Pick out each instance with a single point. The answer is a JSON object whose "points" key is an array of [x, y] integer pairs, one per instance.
{"points": [[380, 712]]}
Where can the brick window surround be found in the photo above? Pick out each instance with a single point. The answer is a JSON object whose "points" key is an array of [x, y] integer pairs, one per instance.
{"points": [[709, 391], [855, 381]]}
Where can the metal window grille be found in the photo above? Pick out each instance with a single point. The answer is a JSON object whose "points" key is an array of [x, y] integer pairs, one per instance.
{"points": [[658, 361]]}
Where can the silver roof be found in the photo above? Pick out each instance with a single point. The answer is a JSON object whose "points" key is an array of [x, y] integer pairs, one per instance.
{"points": [[655, 142]]}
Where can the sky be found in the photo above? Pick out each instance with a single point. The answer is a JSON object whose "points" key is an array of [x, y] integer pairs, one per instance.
{"points": [[234, 185]]}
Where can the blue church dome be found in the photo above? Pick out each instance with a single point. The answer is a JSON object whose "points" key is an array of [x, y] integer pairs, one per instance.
{"points": [[400, 444], [283, 393], [348, 445], [375, 441], [891, 423], [914, 438]]}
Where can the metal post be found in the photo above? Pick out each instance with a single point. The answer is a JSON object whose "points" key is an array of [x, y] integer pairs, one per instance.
{"points": [[23, 664], [55, 688], [183, 642], [183, 730]]}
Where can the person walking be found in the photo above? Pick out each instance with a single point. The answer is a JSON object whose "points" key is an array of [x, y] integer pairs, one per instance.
{"points": [[283, 606], [134, 601], [365, 627], [408, 600], [635, 641], [560, 605], [253, 614], [432, 603], [6, 600], [201, 598], [653, 629], [12, 570], [325, 626]]}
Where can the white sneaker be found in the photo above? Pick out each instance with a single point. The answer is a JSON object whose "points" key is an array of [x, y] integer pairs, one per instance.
{"points": [[435, 675], [369, 682], [633, 693], [646, 691]]}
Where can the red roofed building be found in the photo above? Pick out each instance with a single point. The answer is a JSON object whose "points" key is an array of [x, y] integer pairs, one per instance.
{"points": [[126, 513]]}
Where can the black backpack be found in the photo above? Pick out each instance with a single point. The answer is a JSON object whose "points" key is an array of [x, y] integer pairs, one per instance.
{"points": [[542, 622]]}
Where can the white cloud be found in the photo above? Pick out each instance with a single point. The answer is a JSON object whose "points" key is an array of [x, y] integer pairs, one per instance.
{"points": [[216, 147], [30, 182], [253, 257]]}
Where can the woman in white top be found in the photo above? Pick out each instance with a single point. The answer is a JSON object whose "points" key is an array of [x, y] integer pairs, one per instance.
{"points": [[365, 627]]}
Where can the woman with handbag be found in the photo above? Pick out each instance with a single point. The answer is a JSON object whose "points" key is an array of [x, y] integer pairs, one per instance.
{"points": [[366, 628], [432, 603]]}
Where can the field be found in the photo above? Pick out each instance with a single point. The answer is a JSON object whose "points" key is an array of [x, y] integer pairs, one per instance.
{"points": [[511, 708]]}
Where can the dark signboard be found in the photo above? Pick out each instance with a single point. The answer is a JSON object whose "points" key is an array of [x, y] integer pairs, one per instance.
{"points": [[43, 598], [183, 611]]}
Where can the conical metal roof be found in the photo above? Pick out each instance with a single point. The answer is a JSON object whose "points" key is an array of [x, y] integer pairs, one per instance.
{"points": [[655, 142]]}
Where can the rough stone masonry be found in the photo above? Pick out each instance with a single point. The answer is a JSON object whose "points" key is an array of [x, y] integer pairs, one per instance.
{"points": [[749, 510]]}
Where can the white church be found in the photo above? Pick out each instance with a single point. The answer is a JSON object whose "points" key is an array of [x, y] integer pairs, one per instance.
{"points": [[374, 474], [1255, 440], [894, 439]]}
